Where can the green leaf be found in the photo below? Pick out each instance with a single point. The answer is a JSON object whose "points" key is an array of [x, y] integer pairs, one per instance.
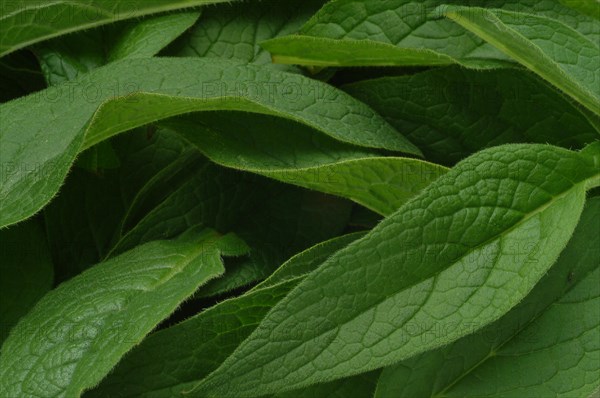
{"points": [[296, 154], [550, 48], [589, 7], [131, 93], [359, 386], [145, 39], [78, 332], [551, 338], [26, 270], [404, 32], [451, 112], [193, 348], [25, 22], [466, 250], [234, 30]]}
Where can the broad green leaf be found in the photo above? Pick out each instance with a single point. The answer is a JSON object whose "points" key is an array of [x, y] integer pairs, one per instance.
{"points": [[404, 32], [235, 30], [551, 339], [25, 269], [145, 39], [296, 154], [25, 22], [173, 359], [464, 251], [550, 48], [78, 332], [451, 112], [130, 93]]}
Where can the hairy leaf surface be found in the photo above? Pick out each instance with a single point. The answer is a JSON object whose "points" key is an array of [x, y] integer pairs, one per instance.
{"points": [[296, 154], [451, 112], [461, 252], [192, 349], [551, 339], [131, 93], [550, 48], [404, 32], [77, 333], [25, 22]]}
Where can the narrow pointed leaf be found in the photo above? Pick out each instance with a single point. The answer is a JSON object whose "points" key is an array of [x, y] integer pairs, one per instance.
{"points": [[192, 349], [404, 33], [296, 154], [464, 251], [78, 332], [550, 48], [131, 93]]}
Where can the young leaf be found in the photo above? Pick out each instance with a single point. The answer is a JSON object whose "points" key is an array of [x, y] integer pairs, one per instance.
{"points": [[548, 47], [551, 338], [26, 269], [25, 22], [172, 360], [464, 251], [131, 93], [78, 332], [304, 157], [451, 112]]}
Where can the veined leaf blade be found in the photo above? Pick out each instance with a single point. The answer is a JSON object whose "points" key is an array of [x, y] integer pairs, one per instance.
{"points": [[130, 93], [461, 252], [77, 333], [560, 318], [25, 22]]}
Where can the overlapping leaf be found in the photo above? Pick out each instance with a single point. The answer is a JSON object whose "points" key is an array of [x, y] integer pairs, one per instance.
{"points": [[466, 250], [451, 112], [551, 339], [405, 32], [25, 22], [77, 333], [296, 154], [124, 95], [192, 349]]}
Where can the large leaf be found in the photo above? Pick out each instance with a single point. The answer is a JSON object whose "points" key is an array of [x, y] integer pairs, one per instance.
{"points": [[552, 338], [550, 48], [77, 333], [25, 269], [464, 251], [451, 112], [404, 32], [130, 93], [184, 353], [25, 22], [296, 154]]}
